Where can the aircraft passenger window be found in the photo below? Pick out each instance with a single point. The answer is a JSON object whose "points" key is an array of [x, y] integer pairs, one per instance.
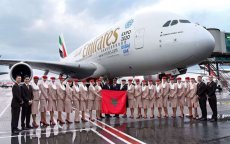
{"points": [[174, 22], [167, 23], [184, 21]]}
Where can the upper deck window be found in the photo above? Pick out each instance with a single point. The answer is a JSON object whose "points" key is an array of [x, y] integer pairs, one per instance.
{"points": [[174, 22], [184, 21], [167, 23]]}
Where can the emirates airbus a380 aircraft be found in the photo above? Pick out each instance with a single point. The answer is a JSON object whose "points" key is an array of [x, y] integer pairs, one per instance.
{"points": [[145, 44]]}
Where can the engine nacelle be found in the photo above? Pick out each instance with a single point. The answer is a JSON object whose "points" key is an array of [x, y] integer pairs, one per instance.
{"points": [[21, 69]]}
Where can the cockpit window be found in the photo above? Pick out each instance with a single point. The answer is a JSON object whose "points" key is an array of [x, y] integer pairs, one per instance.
{"points": [[174, 22], [184, 21], [167, 23]]}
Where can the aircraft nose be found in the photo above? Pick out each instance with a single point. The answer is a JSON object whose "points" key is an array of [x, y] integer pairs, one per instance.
{"points": [[205, 43]]}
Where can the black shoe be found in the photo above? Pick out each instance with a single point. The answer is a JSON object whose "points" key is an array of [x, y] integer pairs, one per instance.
{"points": [[213, 120], [29, 127], [15, 132], [99, 119], [102, 117], [24, 128], [124, 116], [18, 129], [203, 119]]}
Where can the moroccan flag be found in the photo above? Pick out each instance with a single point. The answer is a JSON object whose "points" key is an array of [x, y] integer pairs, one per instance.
{"points": [[113, 102]]}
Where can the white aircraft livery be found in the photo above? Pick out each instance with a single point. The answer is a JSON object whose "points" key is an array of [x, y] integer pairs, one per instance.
{"points": [[145, 44]]}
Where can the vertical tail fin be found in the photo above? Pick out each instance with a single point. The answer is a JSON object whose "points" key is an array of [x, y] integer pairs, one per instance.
{"points": [[62, 47]]}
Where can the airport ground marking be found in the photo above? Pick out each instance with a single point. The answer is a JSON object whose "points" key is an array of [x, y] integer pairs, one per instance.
{"points": [[4, 110], [119, 133], [34, 134], [100, 135], [100, 126]]}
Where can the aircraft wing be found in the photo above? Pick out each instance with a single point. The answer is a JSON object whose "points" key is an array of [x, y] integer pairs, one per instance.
{"points": [[2, 73], [78, 69]]}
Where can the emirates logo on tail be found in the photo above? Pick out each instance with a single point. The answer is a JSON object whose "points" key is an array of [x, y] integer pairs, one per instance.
{"points": [[62, 47]]}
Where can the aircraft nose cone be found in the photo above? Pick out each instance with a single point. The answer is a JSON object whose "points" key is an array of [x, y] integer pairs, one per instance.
{"points": [[205, 44]]}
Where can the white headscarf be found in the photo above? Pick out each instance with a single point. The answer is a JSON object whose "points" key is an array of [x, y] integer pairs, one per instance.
{"points": [[53, 85], [69, 86], [157, 88], [171, 85], [129, 86], [35, 86], [163, 84], [136, 86], [45, 84], [62, 86], [99, 87], [191, 86], [186, 84], [92, 86], [151, 86], [84, 87], [179, 85], [76, 87], [143, 87]]}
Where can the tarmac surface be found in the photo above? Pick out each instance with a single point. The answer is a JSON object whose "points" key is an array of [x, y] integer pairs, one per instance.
{"points": [[119, 131]]}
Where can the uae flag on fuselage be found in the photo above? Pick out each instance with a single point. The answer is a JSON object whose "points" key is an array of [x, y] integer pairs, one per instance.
{"points": [[62, 47]]}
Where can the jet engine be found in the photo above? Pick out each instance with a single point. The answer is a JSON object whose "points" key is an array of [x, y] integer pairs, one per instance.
{"points": [[21, 69]]}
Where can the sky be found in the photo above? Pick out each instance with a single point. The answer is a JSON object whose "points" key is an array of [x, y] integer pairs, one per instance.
{"points": [[29, 29]]}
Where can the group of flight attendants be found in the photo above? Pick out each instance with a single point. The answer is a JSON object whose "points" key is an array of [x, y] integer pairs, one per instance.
{"points": [[66, 97], [161, 95], [53, 97], [166, 93]]}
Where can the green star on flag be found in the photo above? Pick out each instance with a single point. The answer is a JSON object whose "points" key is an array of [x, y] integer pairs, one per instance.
{"points": [[114, 101]]}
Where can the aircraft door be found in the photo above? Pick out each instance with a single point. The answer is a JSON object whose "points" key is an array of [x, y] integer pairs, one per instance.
{"points": [[139, 38]]}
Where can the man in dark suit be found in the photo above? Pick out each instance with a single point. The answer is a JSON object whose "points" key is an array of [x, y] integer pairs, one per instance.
{"points": [[201, 92], [106, 86], [27, 96], [124, 87], [115, 86], [120, 87], [15, 105], [211, 92]]}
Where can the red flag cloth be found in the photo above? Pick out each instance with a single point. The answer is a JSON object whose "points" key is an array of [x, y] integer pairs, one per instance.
{"points": [[113, 102]]}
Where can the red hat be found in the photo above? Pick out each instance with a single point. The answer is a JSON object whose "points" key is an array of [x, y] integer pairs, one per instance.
{"points": [[98, 80], [52, 78], [187, 78], [137, 80], [44, 77], [150, 80], [179, 78], [168, 75], [164, 77], [92, 80], [158, 80], [83, 80], [60, 78], [171, 78], [130, 80], [69, 80], [36, 77], [144, 81], [75, 80]]}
